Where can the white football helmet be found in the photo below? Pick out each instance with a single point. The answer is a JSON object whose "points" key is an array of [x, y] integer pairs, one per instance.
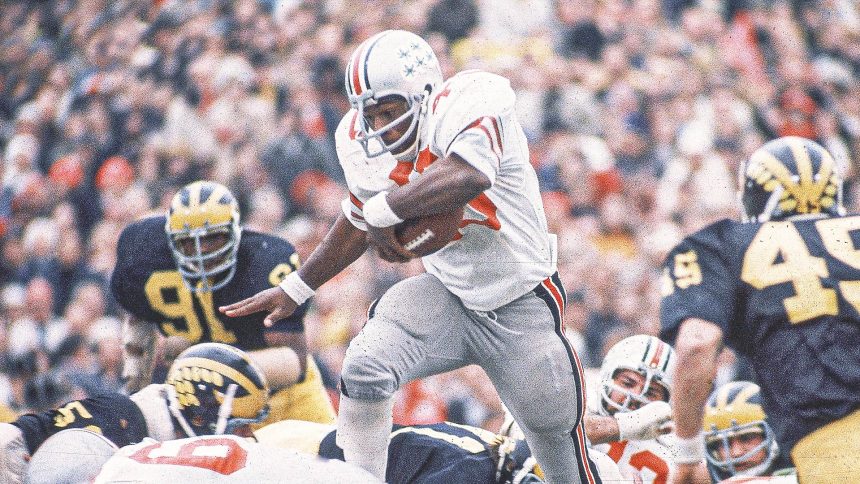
{"points": [[647, 355], [392, 64]]}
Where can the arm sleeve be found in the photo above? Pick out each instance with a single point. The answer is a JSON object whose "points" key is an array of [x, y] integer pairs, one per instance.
{"points": [[696, 282]]}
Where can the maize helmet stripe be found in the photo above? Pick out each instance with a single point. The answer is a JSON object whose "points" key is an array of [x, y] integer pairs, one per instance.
{"points": [[246, 403], [797, 177], [201, 204], [809, 187], [225, 370], [734, 404]]}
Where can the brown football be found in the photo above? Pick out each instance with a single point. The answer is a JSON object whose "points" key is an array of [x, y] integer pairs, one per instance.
{"points": [[425, 235]]}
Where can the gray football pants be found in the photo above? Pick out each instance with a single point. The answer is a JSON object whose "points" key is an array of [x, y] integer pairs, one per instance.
{"points": [[418, 328]]}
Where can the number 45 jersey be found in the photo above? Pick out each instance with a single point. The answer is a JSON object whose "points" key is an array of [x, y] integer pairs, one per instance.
{"points": [[786, 294], [146, 283]]}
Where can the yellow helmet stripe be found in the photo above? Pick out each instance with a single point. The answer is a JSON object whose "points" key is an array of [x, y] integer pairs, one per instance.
{"points": [[221, 368], [775, 167], [810, 189], [783, 175]]}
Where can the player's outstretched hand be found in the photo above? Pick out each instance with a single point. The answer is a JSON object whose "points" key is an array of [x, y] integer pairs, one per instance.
{"points": [[386, 244], [274, 300], [646, 423]]}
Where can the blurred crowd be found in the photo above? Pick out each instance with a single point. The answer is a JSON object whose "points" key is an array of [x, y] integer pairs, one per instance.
{"points": [[638, 113]]}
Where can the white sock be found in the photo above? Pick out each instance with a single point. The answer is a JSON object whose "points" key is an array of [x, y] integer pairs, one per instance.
{"points": [[363, 429]]}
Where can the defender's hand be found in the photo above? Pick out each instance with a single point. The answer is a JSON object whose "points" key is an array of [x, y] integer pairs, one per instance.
{"points": [[274, 300], [386, 244]]}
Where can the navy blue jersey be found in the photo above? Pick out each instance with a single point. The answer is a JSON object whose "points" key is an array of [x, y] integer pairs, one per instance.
{"points": [[146, 283], [113, 415], [786, 294], [441, 452]]}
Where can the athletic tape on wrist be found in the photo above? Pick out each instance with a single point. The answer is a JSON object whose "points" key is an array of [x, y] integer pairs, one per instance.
{"points": [[296, 288], [689, 451], [378, 213]]}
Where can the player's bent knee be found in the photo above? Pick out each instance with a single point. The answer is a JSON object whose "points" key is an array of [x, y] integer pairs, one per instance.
{"points": [[367, 378], [548, 422]]}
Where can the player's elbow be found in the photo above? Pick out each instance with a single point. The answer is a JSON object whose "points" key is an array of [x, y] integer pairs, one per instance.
{"points": [[476, 181], [698, 339]]}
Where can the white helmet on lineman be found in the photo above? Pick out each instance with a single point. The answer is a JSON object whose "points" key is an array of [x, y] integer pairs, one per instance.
{"points": [[394, 64], [647, 355]]}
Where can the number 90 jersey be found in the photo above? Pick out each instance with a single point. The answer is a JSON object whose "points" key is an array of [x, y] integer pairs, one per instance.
{"points": [[787, 295], [146, 283]]}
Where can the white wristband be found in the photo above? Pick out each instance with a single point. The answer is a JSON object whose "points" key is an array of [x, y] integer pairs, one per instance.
{"points": [[296, 288], [378, 213], [688, 451]]}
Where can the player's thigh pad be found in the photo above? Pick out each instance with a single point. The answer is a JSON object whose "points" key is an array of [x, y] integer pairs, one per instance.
{"points": [[415, 330], [531, 365]]}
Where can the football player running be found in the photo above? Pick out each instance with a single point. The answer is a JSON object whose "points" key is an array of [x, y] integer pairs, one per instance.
{"points": [[739, 443], [172, 271], [781, 287], [415, 145], [211, 389]]}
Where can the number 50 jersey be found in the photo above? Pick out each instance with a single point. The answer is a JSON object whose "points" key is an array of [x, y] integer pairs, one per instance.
{"points": [[786, 294], [146, 283]]}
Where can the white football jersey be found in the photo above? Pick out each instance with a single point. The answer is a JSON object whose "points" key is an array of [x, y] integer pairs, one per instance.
{"points": [[503, 249], [222, 458], [651, 459]]}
